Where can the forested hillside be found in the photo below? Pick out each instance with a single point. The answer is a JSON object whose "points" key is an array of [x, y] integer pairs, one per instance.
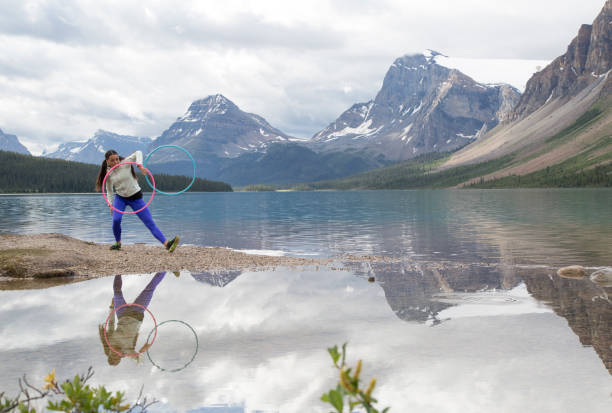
{"points": [[29, 174]]}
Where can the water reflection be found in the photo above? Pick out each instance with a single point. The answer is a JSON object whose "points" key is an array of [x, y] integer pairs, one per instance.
{"points": [[263, 337], [120, 341], [435, 292], [217, 278], [412, 288], [585, 305]]}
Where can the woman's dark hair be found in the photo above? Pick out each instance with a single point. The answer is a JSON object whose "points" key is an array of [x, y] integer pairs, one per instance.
{"points": [[104, 167]]}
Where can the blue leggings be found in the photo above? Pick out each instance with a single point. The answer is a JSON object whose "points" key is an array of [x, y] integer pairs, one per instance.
{"points": [[121, 203], [144, 298]]}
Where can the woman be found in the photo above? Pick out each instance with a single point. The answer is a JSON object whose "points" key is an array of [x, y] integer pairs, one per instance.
{"points": [[122, 180], [124, 336]]}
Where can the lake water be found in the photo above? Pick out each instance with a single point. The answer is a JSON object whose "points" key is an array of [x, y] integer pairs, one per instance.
{"points": [[468, 316]]}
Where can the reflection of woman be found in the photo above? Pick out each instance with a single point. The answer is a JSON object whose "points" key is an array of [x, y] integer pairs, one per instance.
{"points": [[129, 318], [123, 181]]}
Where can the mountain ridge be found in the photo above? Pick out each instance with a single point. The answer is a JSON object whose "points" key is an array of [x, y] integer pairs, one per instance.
{"points": [[92, 151], [587, 58], [422, 107], [11, 143], [553, 100], [216, 126]]}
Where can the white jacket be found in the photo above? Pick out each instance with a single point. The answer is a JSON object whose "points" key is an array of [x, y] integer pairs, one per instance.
{"points": [[120, 180]]}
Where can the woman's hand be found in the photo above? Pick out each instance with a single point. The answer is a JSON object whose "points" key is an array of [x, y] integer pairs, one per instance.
{"points": [[111, 210], [142, 169]]}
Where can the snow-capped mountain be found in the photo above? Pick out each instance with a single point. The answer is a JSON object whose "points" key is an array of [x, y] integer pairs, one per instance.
{"points": [[422, 107], [215, 125], [11, 143], [92, 151]]}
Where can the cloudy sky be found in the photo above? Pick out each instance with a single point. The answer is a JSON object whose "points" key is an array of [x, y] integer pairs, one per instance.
{"points": [[68, 68]]}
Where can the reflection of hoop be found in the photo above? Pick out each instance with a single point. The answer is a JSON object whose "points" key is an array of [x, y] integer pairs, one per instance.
{"points": [[104, 193], [131, 354], [192, 161], [194, 354]]}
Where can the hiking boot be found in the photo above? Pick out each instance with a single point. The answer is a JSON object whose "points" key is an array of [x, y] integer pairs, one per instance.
{"points": [[116, 246], [172, 244]]}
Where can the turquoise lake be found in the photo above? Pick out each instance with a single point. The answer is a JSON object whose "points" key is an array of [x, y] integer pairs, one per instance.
{"points": [[469, 315]]}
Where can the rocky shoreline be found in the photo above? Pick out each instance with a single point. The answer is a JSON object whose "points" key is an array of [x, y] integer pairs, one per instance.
{"points": [[56, 258], [45, 256]]}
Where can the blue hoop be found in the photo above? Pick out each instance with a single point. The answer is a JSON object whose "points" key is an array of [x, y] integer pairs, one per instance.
{"points": [[190, 157]]}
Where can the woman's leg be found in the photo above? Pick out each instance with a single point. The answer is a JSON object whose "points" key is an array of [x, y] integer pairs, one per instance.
{"points": [[119, 204], [146, 217], [118, 299], [144, 298]]}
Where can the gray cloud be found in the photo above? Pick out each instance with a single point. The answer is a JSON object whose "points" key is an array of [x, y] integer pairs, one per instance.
{"points": [[68, 68], [248, 31], [78, 23], [54, 20]]}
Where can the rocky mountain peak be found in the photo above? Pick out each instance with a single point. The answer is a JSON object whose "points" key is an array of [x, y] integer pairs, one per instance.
{"points": [[11, 143], [599, 57], [100, 134], [216, 126], [587, 61], [430, 55], [209, 106], [421, 107]]}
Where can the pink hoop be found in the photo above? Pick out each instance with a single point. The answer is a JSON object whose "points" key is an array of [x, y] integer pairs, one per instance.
{"points": [[104, 186], [106, 324]]}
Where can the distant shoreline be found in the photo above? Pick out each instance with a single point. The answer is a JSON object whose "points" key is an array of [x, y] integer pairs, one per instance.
{"points": [[334, 190]]}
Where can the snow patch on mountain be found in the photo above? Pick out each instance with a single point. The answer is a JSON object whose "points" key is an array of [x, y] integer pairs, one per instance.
{"points": [[92, 150]]}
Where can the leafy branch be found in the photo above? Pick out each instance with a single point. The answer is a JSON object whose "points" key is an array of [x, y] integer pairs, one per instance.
{"points": [[78, 397], [348, 388]]}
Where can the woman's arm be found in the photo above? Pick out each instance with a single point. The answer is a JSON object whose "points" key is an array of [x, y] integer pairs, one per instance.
{"points": [[145, 347], [110, 194], [135, 157], [103, 340]]}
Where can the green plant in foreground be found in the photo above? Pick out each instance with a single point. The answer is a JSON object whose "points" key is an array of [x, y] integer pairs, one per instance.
{"points": [[78, 397], [348, 386]]}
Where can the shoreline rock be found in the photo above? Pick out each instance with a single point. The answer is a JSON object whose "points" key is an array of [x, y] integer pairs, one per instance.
{"points": [[573, 271]]}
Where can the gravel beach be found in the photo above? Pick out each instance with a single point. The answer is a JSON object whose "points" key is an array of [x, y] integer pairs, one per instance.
{"points": [[58, 255]]}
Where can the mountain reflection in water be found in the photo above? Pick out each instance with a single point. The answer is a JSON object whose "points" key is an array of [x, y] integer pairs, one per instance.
{"points": [[585, 305], [262, 335], [423, 292]]}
